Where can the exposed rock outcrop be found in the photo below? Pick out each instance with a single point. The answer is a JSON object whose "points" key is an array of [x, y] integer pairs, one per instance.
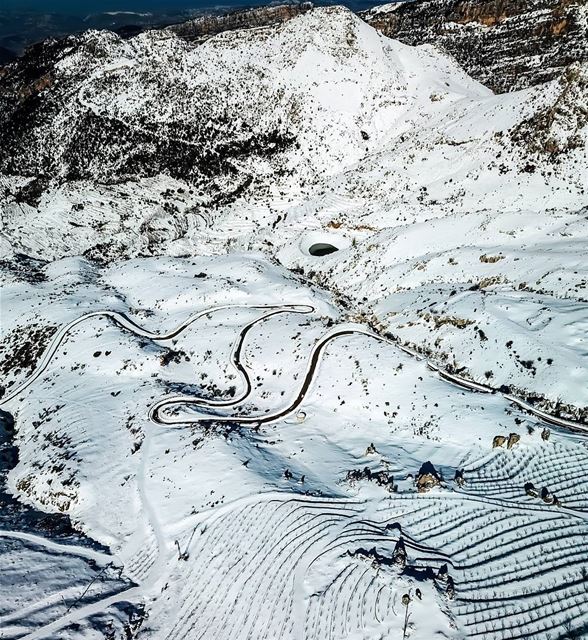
{"points": [[209, 25], [459, 477], [505, 44], [530, 490], [381, 478], [513, 439], [555, 129], [427, 477], [498, 441], [399, 557]]}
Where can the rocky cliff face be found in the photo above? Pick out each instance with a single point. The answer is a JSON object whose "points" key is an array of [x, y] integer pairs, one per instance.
{"points": [[210, 25], [505, 44]]}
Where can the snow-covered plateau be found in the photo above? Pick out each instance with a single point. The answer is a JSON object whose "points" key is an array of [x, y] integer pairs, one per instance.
{"points": [[294, 341]]}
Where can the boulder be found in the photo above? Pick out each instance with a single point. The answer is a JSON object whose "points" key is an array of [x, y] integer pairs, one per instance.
{"points": [[443, 573], [399, 557], [498, 441], [450, 590], [381, 478], [530, 490], [427, 478], [459, 478], [513, 438]]}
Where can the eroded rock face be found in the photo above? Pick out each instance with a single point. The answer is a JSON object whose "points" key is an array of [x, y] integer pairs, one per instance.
{"points": [[206, 26], [505, 44]]}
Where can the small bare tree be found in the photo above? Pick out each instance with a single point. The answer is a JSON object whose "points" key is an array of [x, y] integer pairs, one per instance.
{"points": [[406, 600]]}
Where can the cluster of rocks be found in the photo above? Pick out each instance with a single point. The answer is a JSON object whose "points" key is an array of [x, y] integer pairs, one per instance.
{"points": [[290, 476], [510, 440], [544, 494], [514, 438], [445, 581], [399, 559], [426, 479], [381, 478]]}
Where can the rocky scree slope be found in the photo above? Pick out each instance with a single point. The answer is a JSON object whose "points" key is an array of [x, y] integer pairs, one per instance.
{"points": [[505, 44]]}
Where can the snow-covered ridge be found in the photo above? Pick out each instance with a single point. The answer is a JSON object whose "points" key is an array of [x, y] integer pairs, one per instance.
{"points": [[313, 72], [505, 44], [265, 117]]}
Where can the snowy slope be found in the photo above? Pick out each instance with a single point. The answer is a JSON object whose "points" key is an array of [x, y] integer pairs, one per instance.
{"points": [[271, 117], [241, 421], [275, 540]]}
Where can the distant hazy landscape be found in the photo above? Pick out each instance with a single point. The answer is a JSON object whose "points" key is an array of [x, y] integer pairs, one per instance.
{"points": [[24, 23]]}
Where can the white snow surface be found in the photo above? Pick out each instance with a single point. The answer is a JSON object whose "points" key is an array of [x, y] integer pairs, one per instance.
{"points": [[265, 517], [447, 243]]}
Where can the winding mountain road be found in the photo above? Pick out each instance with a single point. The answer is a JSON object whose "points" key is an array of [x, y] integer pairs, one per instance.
{"points": [[126, 323], [158, 417]]}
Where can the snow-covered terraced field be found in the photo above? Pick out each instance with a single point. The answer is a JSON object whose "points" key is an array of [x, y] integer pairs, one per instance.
{"points": [[172, 427]]}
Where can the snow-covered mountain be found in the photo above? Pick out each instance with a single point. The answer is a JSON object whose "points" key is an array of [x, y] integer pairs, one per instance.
{"points": [[253, 138], [242, 277]]}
